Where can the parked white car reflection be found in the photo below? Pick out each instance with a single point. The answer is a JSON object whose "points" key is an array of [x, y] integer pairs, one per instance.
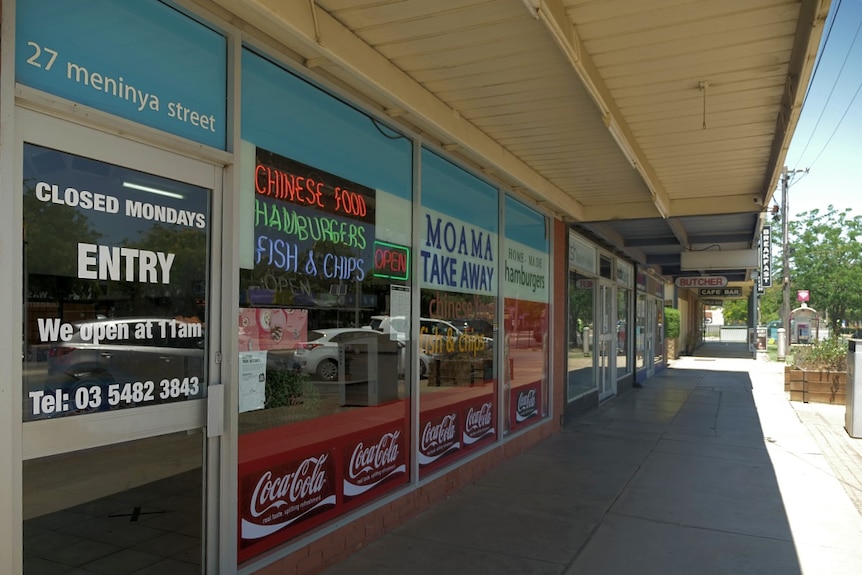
{"points": [[319, 355]]}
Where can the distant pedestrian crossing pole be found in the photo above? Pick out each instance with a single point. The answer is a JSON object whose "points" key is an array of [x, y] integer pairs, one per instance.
{"points": [[782, 344]]}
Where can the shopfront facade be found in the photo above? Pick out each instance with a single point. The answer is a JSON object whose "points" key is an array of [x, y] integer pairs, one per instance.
{"points": [[600, 344], [258, 319], [649, 342]]}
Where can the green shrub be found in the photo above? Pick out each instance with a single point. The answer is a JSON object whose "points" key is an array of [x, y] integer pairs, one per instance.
{"points": [[285, 387], [671, 323], [827, 355]]}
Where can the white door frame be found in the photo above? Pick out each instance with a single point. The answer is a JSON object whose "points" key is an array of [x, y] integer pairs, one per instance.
{"points": [[54, 436], [606, 340], [649, 335]]}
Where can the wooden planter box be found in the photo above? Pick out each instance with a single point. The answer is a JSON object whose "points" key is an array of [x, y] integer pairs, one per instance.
{"points": [[816, 386]]}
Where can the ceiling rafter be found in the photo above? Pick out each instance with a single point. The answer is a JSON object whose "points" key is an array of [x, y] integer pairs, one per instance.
{"points": [[553, 14]]}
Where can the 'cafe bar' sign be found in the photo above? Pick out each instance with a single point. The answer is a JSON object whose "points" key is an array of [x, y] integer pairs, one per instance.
{"points": [[701, 282]]}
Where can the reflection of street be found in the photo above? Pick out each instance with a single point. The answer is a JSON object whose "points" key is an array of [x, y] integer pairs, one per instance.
{"points": [[580, 373], [526, 365]]}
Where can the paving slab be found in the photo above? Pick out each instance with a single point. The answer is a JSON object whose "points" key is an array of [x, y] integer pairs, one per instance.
{"points": [[707, 469], [626, 545]]}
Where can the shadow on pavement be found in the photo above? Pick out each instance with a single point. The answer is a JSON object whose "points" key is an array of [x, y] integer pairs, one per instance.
{"points": [[678, 477]]}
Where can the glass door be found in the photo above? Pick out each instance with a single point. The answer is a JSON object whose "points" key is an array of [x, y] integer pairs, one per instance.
{"points": [[649, 335], [117, 353], [606, 342]]}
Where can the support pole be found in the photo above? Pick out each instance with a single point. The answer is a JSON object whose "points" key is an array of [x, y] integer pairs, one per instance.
{"points": [[785, 258]]}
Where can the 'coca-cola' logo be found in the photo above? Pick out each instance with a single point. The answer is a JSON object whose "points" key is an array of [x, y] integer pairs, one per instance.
{"points": [[479, 420], [371, 465], [443, 432], [526, 407], [439, 439], [366, 460], [308, 480], [479, 423]]}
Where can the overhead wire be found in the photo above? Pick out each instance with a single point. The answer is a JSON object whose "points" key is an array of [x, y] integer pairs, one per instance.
{"points": [[820, 55], [832, 89]]}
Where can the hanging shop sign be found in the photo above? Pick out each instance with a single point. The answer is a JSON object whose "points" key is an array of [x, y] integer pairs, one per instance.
{"points": [[144, 61], [766, 257], [720, 292], [701, 282], [582, 255], [116, 270]]}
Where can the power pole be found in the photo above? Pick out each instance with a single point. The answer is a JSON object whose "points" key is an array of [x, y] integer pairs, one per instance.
{"points": [[785, 258]]}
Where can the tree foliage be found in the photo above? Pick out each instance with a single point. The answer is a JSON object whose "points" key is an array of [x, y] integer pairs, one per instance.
{"points": [[735, 311], [825, 251], [770, 302], [671, 322]]}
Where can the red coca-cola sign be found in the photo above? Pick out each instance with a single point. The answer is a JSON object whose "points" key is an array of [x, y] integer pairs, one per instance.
{"points": [[373, 461], [438, 437], [478, 422], [282, 495], [525, 404]]}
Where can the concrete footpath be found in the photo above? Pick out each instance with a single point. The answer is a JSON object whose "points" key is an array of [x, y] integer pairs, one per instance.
{"points": [[707, 469]]}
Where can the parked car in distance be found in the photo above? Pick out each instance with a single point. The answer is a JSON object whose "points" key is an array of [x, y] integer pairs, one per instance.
{"points": [[319, 354]]}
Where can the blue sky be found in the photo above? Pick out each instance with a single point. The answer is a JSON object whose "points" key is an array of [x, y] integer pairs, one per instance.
{"points": [[828, 138]]}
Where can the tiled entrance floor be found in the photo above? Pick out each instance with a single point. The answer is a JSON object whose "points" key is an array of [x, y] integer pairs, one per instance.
{"points": [[151, 529]]}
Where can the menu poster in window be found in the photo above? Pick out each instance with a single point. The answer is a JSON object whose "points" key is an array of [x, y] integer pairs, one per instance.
{"points": [[252, 380], [116, 273], [313, 231]]}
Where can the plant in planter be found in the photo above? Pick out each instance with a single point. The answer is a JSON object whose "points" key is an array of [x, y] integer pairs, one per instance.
{"points": [[822, 355], [285, 387], [818, 372]]}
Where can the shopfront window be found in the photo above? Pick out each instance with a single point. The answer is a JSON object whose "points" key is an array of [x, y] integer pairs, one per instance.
{"points": [[324, 323], [580, 372], [640, 340], [459, 263], [115, 285], [659, 332], [526, 313], [623, 332]]}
